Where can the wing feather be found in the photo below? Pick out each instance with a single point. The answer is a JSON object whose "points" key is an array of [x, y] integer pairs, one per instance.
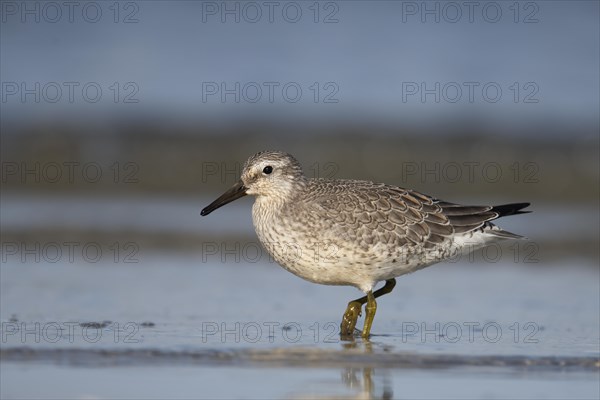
{"points": [[378, 213]]}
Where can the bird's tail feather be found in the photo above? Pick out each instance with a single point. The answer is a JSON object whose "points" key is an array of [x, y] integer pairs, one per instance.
{"points": [[510, 209], [499, 233]]}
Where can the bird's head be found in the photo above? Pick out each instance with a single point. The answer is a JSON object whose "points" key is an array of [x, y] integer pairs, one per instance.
{"points": [[272, 174]]}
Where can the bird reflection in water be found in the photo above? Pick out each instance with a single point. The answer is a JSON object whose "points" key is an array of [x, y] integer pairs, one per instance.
{"points": [[361, 379], [366, 388]]}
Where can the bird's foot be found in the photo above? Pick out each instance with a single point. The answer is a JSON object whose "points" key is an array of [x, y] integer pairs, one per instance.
{"points": [[353, 311]]}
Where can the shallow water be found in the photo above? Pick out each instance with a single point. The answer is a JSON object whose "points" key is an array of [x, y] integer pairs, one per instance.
{"points": [[177, 215], [227, 322], [180, 295], [175, 326], [214, 382]]}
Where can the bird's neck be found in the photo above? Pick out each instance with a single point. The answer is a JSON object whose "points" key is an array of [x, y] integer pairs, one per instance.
{"points": [[270, 206]]}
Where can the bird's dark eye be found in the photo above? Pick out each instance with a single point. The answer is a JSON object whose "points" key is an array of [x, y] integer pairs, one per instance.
{"points": [[268, 169]]}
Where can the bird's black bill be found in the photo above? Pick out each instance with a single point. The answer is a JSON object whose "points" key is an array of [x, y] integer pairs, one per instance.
{"points": [[238, 190]]}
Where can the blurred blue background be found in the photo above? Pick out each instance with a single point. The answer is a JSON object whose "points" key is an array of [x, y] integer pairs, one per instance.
{"points": [[353, 83], [475, 102], [370, 51], [119, 121]]}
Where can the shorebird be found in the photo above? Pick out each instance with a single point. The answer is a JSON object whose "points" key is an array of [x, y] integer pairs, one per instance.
{"points": [[356, 233]]}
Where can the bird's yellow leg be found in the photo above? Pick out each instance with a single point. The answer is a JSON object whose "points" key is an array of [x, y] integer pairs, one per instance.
{"points": [[353, 311], [370, 310]]}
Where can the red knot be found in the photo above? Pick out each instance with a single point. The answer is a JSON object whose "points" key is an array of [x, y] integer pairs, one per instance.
{"points": [[356, 233]]}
